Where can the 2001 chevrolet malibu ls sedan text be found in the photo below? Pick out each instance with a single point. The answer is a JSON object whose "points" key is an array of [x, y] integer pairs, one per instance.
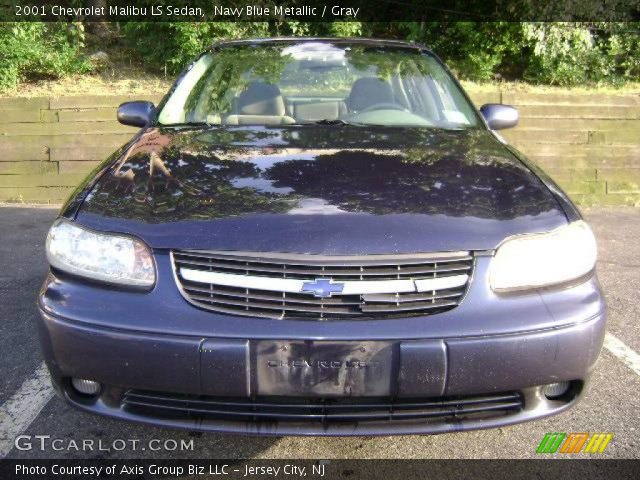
{"points": [[320, 237]]}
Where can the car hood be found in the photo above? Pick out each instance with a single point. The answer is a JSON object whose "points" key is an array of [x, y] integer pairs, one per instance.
{"points": [[319, 189]]}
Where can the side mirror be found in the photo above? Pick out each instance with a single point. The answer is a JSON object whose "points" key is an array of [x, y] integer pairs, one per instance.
{"points": [[136, 114], [499, 116]]}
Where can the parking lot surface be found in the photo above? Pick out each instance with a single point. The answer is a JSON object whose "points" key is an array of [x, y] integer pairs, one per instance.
{"points": [[29, 408]]}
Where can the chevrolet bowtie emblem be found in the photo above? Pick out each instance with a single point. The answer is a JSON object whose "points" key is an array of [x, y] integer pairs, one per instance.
{"points": [[322, 287]]}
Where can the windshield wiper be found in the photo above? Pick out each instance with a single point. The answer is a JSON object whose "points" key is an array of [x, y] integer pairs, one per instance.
{"points": [[187, 124], [335, 121]]}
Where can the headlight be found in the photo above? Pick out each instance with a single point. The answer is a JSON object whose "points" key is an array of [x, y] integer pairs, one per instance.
{"points": [[538, 260], [105, 257]]}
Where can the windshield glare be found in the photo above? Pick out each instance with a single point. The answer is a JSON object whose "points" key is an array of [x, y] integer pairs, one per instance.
{"points": [[318, 82]]}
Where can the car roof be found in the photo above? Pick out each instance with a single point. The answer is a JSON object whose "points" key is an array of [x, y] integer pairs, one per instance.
{"points": [[335, 40]]}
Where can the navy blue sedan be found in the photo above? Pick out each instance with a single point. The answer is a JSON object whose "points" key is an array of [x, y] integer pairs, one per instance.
{"points": [[320, 237]]}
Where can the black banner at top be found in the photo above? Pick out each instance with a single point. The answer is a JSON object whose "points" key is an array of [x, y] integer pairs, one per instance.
{"points": [[319, 10]]}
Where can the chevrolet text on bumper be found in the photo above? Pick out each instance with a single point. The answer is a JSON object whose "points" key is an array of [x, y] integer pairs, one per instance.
{"points": [[331, 241]]}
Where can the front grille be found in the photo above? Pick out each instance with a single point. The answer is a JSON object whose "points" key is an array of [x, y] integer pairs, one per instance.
{"points": [[375, 286], [281, 409]]}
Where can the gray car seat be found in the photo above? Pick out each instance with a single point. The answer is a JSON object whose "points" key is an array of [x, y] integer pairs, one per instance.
{"points": [[259, 104], [368, 91]]}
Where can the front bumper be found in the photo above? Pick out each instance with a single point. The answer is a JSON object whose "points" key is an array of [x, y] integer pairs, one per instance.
{"points": [[218, 369], [487, 349]]}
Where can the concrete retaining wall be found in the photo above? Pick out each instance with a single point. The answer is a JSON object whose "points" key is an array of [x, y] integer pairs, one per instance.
{"points": [[589, 143]]}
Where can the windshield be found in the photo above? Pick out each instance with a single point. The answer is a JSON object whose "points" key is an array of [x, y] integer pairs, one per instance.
{"points": [[318, 82]]}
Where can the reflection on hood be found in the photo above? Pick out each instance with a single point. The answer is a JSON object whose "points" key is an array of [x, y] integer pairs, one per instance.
{"points": [[177, 175]]}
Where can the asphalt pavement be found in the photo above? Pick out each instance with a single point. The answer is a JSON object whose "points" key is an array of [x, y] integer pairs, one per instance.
{"points": [[611, 404]]}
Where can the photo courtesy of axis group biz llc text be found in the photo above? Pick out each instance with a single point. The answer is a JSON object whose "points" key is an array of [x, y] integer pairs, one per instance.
{"points": [[298, 239]]}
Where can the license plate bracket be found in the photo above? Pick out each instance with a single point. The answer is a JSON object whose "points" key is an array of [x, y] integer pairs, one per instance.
{"points": [[324, 368]]}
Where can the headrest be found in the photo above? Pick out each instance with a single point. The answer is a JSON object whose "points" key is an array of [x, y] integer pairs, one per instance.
{"points": [[261, 98], [368, 91]]}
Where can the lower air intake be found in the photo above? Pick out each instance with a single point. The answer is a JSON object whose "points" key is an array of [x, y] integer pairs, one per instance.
{"points": [[280, 409]]}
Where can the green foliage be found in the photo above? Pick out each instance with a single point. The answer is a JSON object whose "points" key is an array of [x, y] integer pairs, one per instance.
{"points": [[577, 53], [40, 50], [554, 53], [565, 54], [171, 45], [345, 29], [473, 50], [559, 53]]}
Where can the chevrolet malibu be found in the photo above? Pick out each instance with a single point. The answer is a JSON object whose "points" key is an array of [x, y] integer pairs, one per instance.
{"points": [[320, 237]]}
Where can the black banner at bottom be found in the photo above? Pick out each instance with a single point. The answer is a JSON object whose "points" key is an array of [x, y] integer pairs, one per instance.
{"points": [[319, 469]]}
